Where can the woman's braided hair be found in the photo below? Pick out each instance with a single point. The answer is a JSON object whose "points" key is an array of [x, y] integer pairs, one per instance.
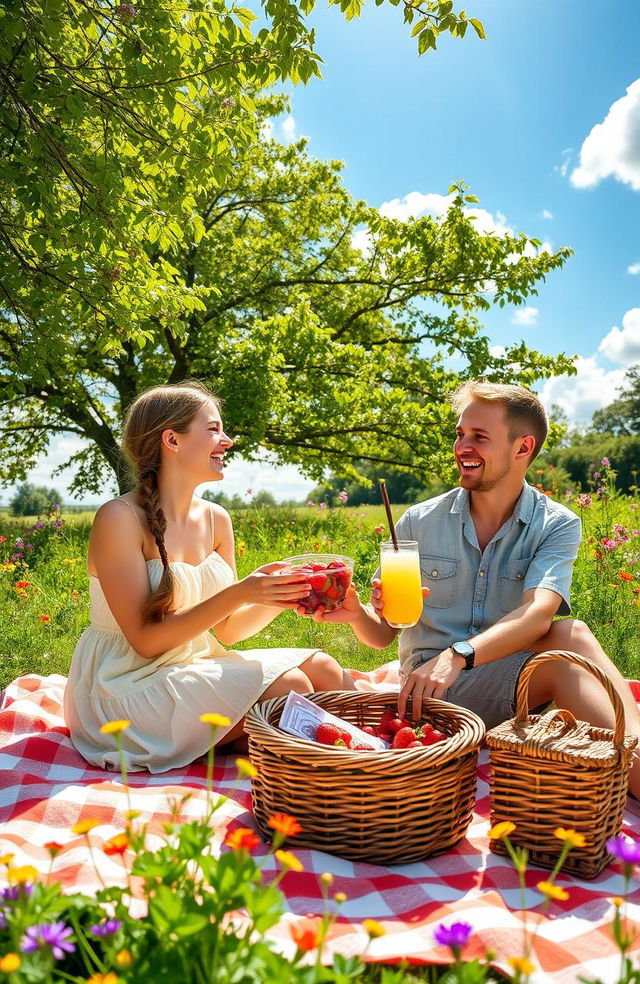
{"points": [[174, 407]]}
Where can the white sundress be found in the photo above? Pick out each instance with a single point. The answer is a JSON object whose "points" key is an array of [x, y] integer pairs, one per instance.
{"points": [[164, 697]]}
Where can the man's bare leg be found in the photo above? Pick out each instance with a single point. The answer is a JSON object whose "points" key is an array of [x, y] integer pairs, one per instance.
{"points": [[578, 691]]}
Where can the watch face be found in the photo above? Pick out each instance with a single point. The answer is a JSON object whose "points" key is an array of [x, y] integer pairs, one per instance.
{"points": [[463, 649]]}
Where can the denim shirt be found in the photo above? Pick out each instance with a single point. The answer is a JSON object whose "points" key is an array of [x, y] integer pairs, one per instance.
{"points": [[471, 589]]}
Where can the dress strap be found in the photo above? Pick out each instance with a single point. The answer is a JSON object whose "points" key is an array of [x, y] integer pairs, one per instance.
{"points": [[121, 499]]}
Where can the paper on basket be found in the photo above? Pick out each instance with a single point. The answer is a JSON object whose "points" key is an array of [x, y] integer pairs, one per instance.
{"points": [[301, 717]]}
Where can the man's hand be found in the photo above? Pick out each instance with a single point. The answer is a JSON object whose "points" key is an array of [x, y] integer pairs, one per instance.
{"points": [[349, 611], [377, 602], [432, 679]]}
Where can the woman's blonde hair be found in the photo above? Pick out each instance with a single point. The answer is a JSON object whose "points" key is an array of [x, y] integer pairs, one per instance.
{"points": [[173, 407], [523, 410]]}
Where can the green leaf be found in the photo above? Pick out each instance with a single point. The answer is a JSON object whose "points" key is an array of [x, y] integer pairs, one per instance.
{"points": [[478, 28]]}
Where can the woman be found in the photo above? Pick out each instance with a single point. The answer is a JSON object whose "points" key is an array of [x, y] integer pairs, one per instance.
{"points": [[162, 574]]}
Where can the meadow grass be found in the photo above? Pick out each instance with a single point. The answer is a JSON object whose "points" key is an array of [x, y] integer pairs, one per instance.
{"points": [[43, 621]]}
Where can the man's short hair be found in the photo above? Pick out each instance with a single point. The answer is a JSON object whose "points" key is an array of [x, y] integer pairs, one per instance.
{"points": [[522, 409]]}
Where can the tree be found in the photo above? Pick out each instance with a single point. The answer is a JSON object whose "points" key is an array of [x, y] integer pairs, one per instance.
{"points": [[324, 353], [622, 417], [31, 500]]}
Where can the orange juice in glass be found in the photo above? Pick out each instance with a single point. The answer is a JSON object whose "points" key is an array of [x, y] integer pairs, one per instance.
{"points": [[401, 583]]}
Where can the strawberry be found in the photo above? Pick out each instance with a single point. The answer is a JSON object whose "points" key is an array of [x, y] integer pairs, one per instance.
{"points": [[385, 735], [396, 723], [415, 744], [430, 735], [387, 715], [362, 748], [330, 734], [369, 730], [404, 738]]}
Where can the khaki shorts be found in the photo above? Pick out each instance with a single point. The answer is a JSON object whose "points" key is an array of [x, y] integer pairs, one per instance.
{"points": [[488, 690]]}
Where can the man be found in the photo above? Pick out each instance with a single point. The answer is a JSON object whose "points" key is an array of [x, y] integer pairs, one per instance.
{"points": [[497, 556]]}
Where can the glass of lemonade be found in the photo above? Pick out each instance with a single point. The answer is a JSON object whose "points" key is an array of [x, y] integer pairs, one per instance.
{"points": [[401, 583]]}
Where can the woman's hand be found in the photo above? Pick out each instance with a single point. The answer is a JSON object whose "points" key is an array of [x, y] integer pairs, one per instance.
{"points": [[265, 586], [349, 611]]}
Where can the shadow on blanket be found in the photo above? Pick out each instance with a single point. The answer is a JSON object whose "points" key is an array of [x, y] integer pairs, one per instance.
{"points": [[46, 787]]}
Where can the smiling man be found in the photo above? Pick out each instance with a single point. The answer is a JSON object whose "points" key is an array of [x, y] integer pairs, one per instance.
{"points": [[497, 556]]}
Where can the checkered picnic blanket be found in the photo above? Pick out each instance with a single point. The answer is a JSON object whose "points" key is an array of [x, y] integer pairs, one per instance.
{"points": [[46, 787]]}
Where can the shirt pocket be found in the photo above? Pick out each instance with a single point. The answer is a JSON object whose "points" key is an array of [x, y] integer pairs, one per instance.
{"points": [[439, 575], [512, 576]]}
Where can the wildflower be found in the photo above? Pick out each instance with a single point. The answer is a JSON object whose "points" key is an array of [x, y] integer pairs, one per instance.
{"points": [[454, 936], [605, 463], [571, 837], [131, 814], [242, 839], [14, 892], [627, 851], [373, 928], [305, 934], [521, 965], [18, 876], [109, 978], [10, 961], [21, 585], [378, 530], [326, 879], [53, 848], [340, 897], [584, 501], [289, 861], [115, 727], [310, 503], [284, 824], [6, 859], [617, 901], [106, 928], [52, 935], [116, 845], [84, 826], [343, 496], [553, 891], [246, 768], [44, 619], [3, 539], [500, 830], [124, 958], [249, 491], [625, 576], [215, 720]]}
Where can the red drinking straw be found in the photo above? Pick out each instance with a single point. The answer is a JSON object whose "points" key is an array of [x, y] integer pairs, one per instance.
{"points": [[387, 506]]}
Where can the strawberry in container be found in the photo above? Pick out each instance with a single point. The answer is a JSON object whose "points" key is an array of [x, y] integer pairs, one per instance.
{"points": [[329, 576]]}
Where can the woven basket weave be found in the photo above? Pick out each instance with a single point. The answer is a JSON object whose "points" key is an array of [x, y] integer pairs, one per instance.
{"points": [[549, 771], [385, 807]]}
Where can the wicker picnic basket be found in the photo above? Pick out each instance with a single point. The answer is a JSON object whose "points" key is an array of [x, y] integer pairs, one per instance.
{"points": [[549, 771], [385, 806]]}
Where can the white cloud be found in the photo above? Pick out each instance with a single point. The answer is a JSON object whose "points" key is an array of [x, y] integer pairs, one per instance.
{"points": [[623, 346], [497, 351], [289, 130], [361, 239], [612, 149], [546, 214], [266, 130], [565, 163], [415, 205], [634, 268], [525, 316], [580, 396]]}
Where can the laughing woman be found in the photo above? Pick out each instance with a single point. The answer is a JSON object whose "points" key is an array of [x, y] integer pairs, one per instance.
{"points": [[165, 600]]}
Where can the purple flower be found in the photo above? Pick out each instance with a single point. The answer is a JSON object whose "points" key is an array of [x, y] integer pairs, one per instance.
{"points": [[323, 505], [605, 463], [54, 935], [54, 508], [343, 496], [106, 928], [596, 476], [627, 851], [584, 500], [39, 526], [454, 936], [13, 892]]}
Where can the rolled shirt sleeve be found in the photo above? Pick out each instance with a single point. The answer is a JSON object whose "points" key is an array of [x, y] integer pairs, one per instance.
{"points": [[552, 564]]}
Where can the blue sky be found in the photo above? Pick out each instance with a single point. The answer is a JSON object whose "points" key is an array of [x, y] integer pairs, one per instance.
{"points": [[542, 120]]}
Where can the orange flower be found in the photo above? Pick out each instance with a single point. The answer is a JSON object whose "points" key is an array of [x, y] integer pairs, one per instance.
{"points": [[53, 848], [553, 891], [117, 844], [44, 618], [21, 585], [242, 839], [305, 934], [84, 826], [284, 824], [624, 576], [124, 958], [10, 962]]}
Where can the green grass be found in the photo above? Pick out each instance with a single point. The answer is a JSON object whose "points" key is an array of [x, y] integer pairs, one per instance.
{"points": [[58, 587]]}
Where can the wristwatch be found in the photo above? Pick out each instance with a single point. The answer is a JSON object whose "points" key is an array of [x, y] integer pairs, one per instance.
{"points": [[468, 653]]}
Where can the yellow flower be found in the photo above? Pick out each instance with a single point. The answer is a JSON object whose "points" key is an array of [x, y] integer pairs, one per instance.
{"points": [[246, 768], [340, 897], [373, 929], [10, 962], [216, 720], [84, 826], [18, 876], [617, 901], [326, 879], [289, 861], [521, 965], [572, 838], [109, 978], [131, 814], [115, 727], [6, 859], [553, 891], [124, 958], [500, 830]]}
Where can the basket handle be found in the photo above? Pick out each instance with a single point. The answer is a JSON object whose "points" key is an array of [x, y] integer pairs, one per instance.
{"points": [[540, 730], [522, 691]]}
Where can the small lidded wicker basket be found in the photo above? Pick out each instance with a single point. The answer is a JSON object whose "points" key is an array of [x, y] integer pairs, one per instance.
{"points": [[386, 807], [549, 771]]}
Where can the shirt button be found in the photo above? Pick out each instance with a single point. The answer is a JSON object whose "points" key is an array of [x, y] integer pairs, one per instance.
{"points": [[481, 574], [519, 576], [434, 573]]}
